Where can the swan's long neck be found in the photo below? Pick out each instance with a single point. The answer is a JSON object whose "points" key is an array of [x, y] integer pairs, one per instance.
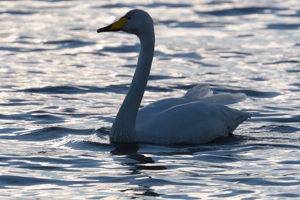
{"points": [[124, 128]]}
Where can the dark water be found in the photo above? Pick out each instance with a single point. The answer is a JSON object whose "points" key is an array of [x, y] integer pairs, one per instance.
{"points": [[61, 82]]}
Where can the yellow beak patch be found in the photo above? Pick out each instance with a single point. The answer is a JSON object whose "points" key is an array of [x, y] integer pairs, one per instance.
{"points": [[118, 24]]}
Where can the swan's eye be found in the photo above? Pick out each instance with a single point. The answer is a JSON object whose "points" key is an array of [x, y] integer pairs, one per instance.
{"points": [[129, 18]]}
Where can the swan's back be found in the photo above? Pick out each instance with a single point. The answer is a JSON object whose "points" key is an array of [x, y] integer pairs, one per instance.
{"points": [[195, 122], [188, 120]]}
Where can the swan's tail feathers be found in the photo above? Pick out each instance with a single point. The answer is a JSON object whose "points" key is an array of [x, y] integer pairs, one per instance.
{"points": [[199, 92], [203, 93], [241, 116], [225, 98]]}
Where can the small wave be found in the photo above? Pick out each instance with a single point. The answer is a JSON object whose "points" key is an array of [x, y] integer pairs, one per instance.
{"points": [[19, 102], [11, 180], [282, 128], [151, 5], [123, 49], [120, 89], [259, 181], [168, 5], [283, 26], [278, 118], [162, 77], [286, 195], [50, 133], [282, 62], [18, 49], [292, 70], [17, 12], [40, 118], [192, 24], [114, 5], [168, 56], [242, 11], [231, 194], [64, 90], [68, 43]]}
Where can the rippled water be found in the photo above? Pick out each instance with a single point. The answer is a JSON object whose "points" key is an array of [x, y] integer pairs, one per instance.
{"points": [[61, 82]]}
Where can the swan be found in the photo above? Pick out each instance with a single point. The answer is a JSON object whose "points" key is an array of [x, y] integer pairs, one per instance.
{"points": [[198, 117]]}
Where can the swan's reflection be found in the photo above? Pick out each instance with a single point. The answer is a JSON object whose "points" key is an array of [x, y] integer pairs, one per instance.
{"points": [[143, 163]]}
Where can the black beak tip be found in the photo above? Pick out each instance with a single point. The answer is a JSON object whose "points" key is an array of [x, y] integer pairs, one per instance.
{"points": [[104, 29], [108, 29]]}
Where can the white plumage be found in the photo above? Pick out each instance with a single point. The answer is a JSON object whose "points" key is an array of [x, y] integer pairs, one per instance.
{"points": [[198, 117]]}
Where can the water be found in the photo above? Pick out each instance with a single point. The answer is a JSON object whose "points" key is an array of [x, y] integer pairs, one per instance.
{"points": [[61, 82]]}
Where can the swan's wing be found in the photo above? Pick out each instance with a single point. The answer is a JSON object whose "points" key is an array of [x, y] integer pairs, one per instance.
{"points": [[195, 122], [225, 98], [203, 93], [161, 105], [198, 92]]}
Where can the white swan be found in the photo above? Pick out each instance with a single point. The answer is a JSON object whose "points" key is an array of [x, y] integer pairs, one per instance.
{"points": [[198, 117]]}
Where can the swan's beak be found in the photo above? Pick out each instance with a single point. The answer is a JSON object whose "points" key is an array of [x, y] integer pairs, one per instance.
{"points": [[116, 26]]}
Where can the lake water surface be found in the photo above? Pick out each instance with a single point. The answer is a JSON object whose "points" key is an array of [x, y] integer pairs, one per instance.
{"points": [[60, 82]]}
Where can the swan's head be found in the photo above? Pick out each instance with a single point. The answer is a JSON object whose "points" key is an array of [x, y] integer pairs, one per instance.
{"points": [[136, 21]]}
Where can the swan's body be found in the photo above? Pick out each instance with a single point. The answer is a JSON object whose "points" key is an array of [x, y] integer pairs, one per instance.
{"points": [[198, 117]]}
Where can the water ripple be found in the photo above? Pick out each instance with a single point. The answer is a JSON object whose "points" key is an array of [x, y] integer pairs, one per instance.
{"points": [[68, 43], [242, 11], [50, 133], [61, 81]]}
